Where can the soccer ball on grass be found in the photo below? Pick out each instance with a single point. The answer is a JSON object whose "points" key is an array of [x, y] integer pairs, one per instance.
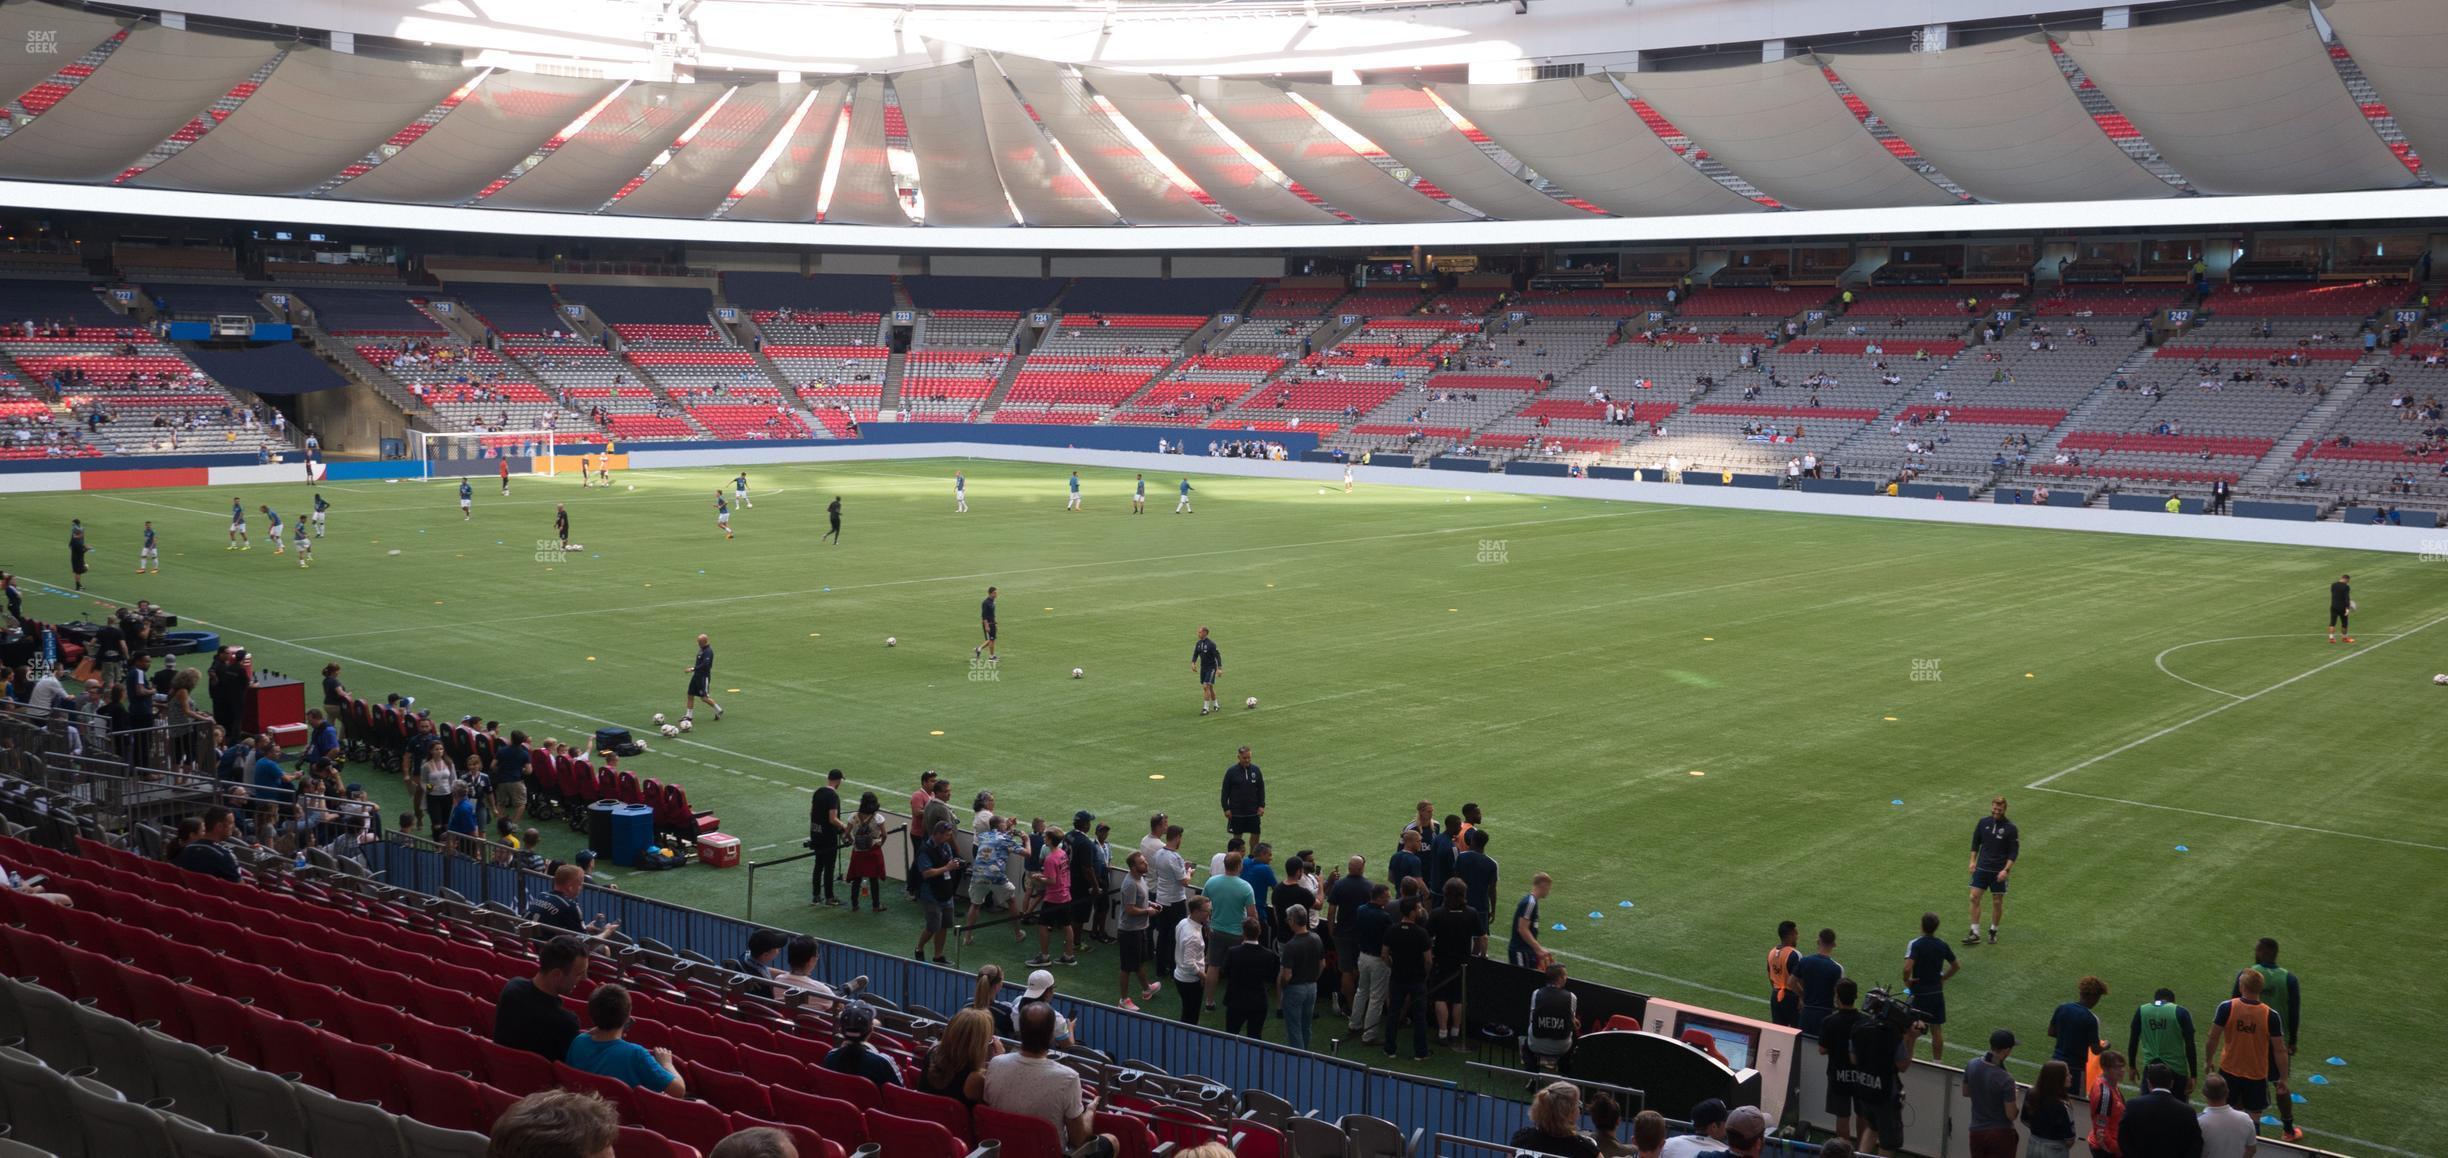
{"points": [[1077, 673], [2441, 678], [891, 642], [658, 718], [669, 730], [687, 724], [1251, 702]]}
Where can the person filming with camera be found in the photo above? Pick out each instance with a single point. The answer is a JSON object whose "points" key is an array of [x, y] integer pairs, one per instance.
{"points": [[1882, 1050]]}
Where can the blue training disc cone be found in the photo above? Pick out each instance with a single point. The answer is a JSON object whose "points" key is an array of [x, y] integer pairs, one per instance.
{"points": [[1558, 926]]}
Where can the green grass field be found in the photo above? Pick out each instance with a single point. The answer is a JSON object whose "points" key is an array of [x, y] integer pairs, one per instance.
{"points": [[1726, 718]]}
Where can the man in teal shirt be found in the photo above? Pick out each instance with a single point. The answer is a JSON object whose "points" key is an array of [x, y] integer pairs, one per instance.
{"points": [[1232, 896]]}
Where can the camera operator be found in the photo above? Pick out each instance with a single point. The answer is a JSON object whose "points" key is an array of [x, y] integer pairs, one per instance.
{"points": [[1883, 1043]]}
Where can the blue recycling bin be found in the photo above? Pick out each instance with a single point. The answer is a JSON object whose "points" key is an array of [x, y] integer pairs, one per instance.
{"points": [[632, 833], [599, 826]]}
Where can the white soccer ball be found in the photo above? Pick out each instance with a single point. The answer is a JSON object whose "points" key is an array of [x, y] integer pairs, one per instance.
{"points": [[632, 486], [668, 730], [658, 717], [891, 642], [687, 724], [1250, 702], [1077, 673], [2441, 678]]}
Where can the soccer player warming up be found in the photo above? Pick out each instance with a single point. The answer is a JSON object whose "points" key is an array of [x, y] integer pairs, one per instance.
{"points": [[561, 524], [833, 516], [1183, 507], [505, 477], [305, 545], [1208, 662], [151, 559], [739, 491], [1995, 844], [238, 531], [986, 622], [960, 493], [700, 676], [467, 501], [1139, 496], [722, 514], [272, 530], [319, 508], [1073, 503], [2341, 605]]}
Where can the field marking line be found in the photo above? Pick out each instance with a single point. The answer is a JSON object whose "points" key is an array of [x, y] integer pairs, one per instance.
{"points": [[2237, 702], [2160, 661], [976, 575], [2246, 819]]}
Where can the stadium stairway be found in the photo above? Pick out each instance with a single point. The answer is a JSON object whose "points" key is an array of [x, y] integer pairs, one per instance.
{"points": [[2091, 403], [343, 357], [2275, 465], [1002, 387], [894, 367]]}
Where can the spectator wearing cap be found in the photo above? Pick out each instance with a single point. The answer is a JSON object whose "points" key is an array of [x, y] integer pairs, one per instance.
{"points": [[529, 1014], [1032, 1084], [1555, 1121], [1040, 991], [1992, 1093], [936, 863], [853, 1056], [1708, 1122], [1746, 1131], [606, 1050]]}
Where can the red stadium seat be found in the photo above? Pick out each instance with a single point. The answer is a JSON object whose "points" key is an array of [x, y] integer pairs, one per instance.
{"points": [[949, 1113], [832, 1117], [913, 1137], [637, 1143], [681, 1120], [441, 1099], [731, 1091], [850, 1088], [1022, 1137], [808, 1142]]}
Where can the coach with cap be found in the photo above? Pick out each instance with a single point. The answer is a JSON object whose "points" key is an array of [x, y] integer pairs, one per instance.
{"points": [[1244, 796]]}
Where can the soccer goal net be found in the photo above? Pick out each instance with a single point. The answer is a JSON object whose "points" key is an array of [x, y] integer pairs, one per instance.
{"points": [[451, 454]]}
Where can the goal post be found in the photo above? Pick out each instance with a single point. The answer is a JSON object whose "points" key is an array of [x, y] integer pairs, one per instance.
{"points": [[458, 453]]}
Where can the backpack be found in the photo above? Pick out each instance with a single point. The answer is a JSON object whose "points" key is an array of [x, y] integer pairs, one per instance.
{"points": [[863, 835]]}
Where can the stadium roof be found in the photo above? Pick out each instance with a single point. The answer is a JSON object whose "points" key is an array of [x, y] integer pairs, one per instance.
{"points": [[2250, 105]]}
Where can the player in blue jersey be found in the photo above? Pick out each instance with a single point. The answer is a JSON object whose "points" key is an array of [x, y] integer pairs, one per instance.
{"points": [[305, 546], [272, 528], [739, 491], [151, 559], [1183, 507], [467, 501], [238, 531], [722, 514], [1073, 503], [319, 507], [1139, 496], [960, 493]]}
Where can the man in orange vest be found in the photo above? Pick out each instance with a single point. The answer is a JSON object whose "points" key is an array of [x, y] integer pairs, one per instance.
{"points": [[2254, 1060], [1784, 993]]}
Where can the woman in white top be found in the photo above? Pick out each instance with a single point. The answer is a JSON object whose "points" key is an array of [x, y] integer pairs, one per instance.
{"points": [[437, 778], [1190, 974]]}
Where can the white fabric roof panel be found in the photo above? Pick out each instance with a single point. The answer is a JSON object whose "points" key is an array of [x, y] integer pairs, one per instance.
{"points": [[1784, 129], [1140, 192], [2243, 103], [1046, 190], [619, 142], [505, 119], [1998, 119], [154, 84], [701, 174], [1157, 110], [1581, 134], [72, 31], [1405, 123], [788, 190], [947, 132], [320, 112], [864, 193], [1268, 120], [2399, 44]]}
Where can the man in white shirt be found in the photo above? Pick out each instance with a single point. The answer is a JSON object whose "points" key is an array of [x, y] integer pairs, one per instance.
{"points": [[1031, 1084], [799, 959], [1190, 974], [1708, 1134], [2227, 1132]]}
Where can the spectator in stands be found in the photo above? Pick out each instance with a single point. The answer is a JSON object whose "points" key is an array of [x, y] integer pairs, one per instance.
{"points": [[1040, 991], [16, 884], [764, 945], [755, 1142], [956, 1064], [799, 958], [989, 1000], [530, 1014], [1606, 1117], [1190, 972], [853, 1056], [1032, 1084], [555, 1124], [2044, 1113], [1554, 1025], [1555, 1124], [1251, 976], [936, 864], [605, 1049], [209, 854], [557, 906], [1302, 960], [1169, 890], [1992, 1093], [2160, 1122], [1708, 1122], [1747, 1131], [2226, 1132]]}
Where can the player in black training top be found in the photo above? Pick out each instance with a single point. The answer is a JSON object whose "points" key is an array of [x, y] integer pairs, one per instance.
{"points": [[561, 524], [2341, 605], [1209, 662], [833, 513], [76, 551], [1996, 842], [986, 620], [700, 677]]}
